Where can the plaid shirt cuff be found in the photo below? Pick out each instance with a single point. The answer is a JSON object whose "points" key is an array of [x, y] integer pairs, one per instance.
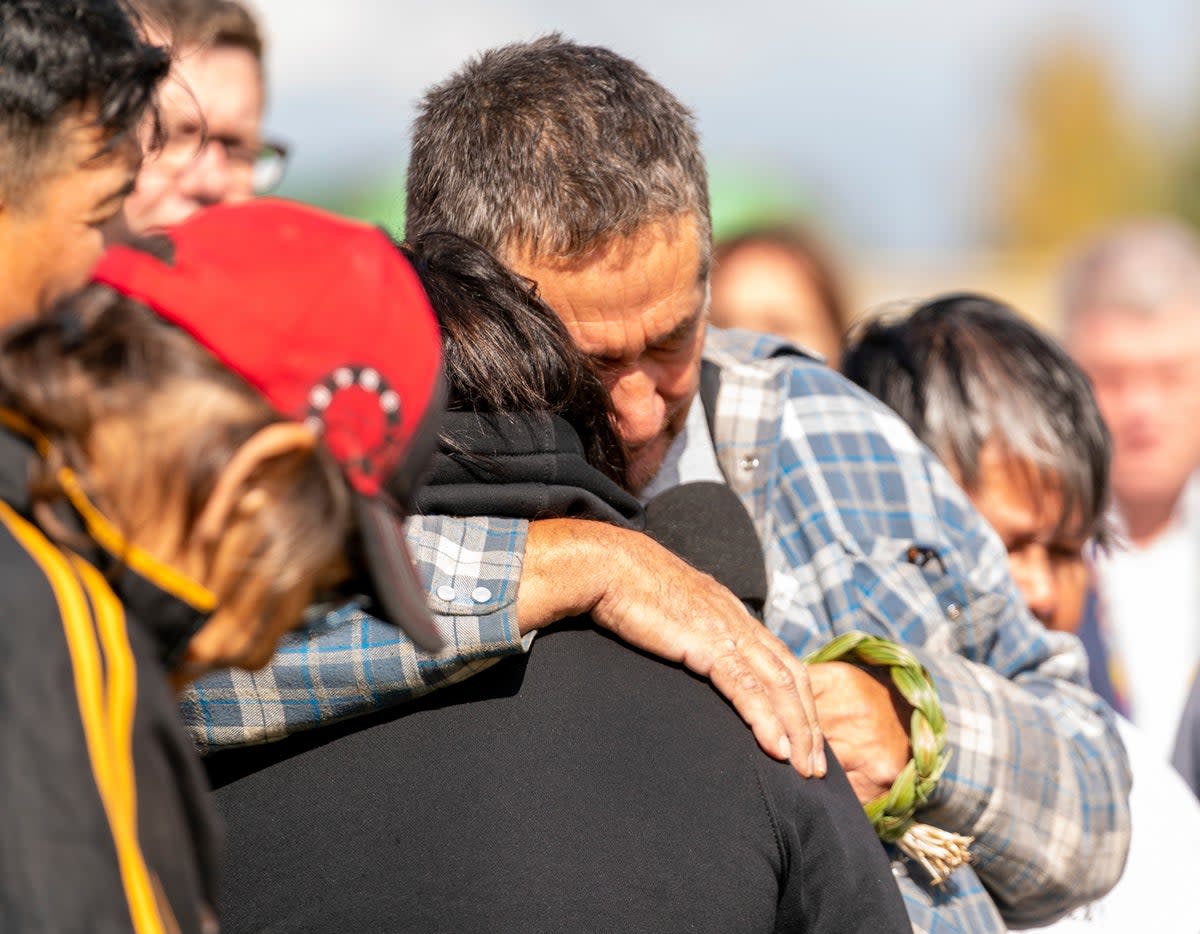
{"points": [[350, 663]]}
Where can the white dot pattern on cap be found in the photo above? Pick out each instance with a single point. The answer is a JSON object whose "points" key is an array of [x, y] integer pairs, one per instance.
{"points": [[320, 397], [343, 377], [369, 379]]}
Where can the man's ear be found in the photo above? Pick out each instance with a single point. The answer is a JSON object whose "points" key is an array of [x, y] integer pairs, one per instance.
{"points": [[234, 495]]}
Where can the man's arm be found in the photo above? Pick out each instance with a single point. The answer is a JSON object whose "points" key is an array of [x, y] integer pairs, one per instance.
{"points": [[657, 602], [1037, 772], [864, 529], [350, 663], [492, 582]]}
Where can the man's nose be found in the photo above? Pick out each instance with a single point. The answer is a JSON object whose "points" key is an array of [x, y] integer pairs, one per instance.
{"points": [[641, 411], [1034, 577], [209, 176]]}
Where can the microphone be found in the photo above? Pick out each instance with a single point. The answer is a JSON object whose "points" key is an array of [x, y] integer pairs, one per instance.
{"points": [[706, 524]]}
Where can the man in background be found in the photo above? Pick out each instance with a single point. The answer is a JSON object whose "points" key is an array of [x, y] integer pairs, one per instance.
{"points": [[1131, 317], [69, 146], [1015, 420], [780, 280], [212, 114]]}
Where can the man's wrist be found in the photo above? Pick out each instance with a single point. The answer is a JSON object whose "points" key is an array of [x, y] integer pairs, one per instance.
{"points": [[568, 568]]}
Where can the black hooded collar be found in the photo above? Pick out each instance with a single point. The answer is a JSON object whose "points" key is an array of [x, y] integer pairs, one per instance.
{"points": [[521, 465]]}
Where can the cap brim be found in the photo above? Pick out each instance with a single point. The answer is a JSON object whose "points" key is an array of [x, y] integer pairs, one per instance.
{"points": [[400, 593]]}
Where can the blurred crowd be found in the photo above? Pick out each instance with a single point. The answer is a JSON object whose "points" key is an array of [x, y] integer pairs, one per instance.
{"points": [[557, 567]]}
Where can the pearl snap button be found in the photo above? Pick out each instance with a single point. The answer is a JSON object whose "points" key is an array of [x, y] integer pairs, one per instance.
{"points": [[445, 592], [481, 595]]}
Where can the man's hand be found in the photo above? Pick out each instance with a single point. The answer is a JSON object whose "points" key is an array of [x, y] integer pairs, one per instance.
{"points": [[650, 598], [866, 723]]}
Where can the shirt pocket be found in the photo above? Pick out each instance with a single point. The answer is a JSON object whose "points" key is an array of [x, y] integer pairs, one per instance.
{"points": [[909, 592]]}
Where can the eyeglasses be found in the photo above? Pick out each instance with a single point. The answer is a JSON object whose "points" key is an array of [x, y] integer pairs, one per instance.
{"points": [[270, 164], [261, 167]]}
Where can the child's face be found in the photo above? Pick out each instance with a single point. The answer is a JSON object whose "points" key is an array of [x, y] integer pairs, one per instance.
{"points": [[1046, 562]]}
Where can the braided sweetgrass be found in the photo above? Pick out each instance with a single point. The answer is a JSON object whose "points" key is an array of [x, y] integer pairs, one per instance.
{"points": [[892, 814]]}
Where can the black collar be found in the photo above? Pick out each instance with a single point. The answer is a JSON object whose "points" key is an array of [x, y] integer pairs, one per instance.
{"points": [[521, 465]]}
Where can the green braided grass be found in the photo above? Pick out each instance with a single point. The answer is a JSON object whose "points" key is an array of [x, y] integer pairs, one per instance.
{"points": [[891, 814]]}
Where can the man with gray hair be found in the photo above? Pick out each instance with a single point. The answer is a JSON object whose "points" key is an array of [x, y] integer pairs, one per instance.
{"points": [[1131, 317], [585, 175]]}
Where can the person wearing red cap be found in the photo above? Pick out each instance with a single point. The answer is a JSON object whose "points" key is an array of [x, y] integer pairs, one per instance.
{"points": [[174, 491]]}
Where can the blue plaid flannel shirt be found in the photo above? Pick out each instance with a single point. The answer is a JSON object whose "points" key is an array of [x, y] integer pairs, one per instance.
{"points": [[840, 491]]}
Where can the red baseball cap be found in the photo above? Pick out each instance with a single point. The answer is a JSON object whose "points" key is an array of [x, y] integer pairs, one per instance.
{"points": [[327, 320]]}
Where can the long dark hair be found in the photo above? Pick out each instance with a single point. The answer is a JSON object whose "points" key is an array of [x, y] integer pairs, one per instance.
{"points": [[505, 350]]}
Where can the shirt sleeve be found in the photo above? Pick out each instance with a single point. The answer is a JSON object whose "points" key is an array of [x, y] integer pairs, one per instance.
{"points": [[864, 529], [1037, 772], [348, 662]]}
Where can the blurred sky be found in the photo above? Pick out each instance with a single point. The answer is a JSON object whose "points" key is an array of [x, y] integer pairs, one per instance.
{"points": [[884, 116]]}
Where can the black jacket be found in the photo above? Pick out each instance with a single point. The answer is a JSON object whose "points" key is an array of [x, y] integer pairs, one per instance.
{"points": [[105, 823], [583, 787]]}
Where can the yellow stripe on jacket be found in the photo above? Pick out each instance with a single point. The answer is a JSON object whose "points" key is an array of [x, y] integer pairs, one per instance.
{"points": [[106, 710]]}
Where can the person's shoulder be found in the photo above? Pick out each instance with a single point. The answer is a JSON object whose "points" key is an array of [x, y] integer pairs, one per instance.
{"points": [[731, 347], [750, 357], [775, 380]]}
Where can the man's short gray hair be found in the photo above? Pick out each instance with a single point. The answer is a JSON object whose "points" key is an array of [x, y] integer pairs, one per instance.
{"points": [[964, 369], [550, 149], [1136, 267]]}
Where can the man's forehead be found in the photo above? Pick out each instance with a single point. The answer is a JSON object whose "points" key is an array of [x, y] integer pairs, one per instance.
{"points": [[1124, 337], [639, 288], [1022, 493]]}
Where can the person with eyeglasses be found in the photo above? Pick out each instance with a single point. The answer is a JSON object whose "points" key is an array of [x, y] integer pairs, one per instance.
{"points": [[212, 150]]}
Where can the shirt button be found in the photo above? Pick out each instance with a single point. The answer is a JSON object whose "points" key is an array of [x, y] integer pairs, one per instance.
{"points": [[445, 592], [953, 611], [481, 595], [749, 462]]}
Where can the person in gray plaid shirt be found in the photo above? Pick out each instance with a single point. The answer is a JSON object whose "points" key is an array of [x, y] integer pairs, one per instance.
{"points": [[585, 175]]}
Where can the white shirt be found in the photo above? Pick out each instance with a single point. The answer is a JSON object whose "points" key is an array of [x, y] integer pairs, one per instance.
{"points": [[1157, 890], [691, 457], [1150, 600]]}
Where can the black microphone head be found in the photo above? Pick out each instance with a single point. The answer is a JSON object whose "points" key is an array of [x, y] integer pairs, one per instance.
{"points": [[706, 524]]}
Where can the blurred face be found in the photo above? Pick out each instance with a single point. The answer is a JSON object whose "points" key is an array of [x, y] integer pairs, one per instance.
{"points": [[763, 288], [51, 239], [211, 108], [637, 308], [1047, 565], [1146, 374]]}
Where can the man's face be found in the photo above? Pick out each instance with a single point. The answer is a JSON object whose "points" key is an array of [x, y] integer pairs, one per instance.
{"points": [[1047, 564], [51, 239], [763, 287], [637, 307], [211, 108], [1146, 375]]}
